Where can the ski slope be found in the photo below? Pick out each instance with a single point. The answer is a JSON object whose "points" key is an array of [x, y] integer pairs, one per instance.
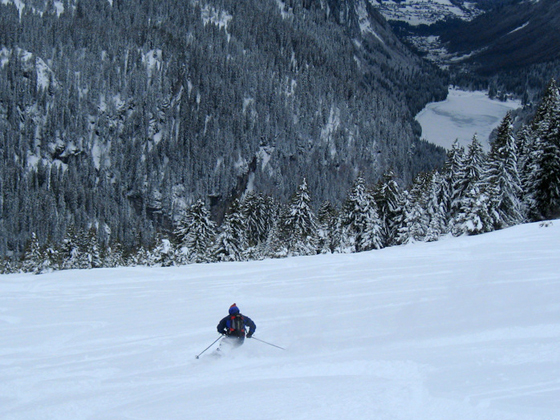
{"points": [[461, 329]]}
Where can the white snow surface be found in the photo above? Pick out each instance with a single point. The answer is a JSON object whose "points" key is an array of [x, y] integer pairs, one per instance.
{"points": [[464, 329], [462, 115]]}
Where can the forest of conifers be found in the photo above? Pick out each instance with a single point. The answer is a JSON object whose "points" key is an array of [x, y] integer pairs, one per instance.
{"points": [[119, 115], [175, 131], [518, 181]]}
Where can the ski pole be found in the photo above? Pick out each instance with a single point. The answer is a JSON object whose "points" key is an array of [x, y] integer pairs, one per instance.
{"points": [[270, 344], [215, 341]]}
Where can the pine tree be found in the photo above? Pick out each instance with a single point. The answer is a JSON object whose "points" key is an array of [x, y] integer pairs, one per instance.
{"points": [[196, 233], [389, 201], [299, 224], [91, 251], [502, 178], [7, 266], [259, 212], [231, 242], [473, 166], [50, 259], [32, 257], [548, 106], [360, 224], [69, 251], [328, 234], [114, 256], [543, 177], [452, 174], [476, 214], [83, 255], [425, 217], [525, 146], [404, 230], [4, 266], [466, 183], [415, 224], [163, 254], [435, 208], [274, 246]]}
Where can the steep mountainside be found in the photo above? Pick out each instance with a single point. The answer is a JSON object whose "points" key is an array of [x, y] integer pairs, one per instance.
{"points": [[507, 46], [510, 37], [116, 115]]}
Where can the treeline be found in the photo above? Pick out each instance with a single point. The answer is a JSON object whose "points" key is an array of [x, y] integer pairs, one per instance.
{"points": [[517, 181]]}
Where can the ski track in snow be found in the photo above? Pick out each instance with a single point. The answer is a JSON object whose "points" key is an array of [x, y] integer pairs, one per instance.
{"points": [[464, 328]]}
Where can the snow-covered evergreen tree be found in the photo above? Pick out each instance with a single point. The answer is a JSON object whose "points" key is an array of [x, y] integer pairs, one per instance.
{"points": [[424, 209], [231, 242], [32, 258], [403, 235], [328, 232], [435, 208], [543, 168], [91, 250], [389, 200], [69, 251], [476, 214], [415, 223], [113, 256], [525, 146], [274, 246], [5, 266], [502, 182], [50, 259], [299, 224], [260, 213], [452, 171], [163, 254], [473, 165], [360, 224], [141, 257], [469, 175], [196, 233]]}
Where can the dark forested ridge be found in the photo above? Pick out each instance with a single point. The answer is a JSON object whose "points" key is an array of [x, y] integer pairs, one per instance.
{"points": [[504, 46], [515, 47], [116, 116], [509, 37]]}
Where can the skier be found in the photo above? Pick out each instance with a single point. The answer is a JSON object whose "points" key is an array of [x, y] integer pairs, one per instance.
{"points": [[234, 326]]}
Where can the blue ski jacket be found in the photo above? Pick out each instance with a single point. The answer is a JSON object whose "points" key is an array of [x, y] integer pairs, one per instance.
{"points": [[225, 325]]}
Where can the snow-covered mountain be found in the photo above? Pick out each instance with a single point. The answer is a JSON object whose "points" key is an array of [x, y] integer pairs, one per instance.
{"points": [[132, 111], [463, 328], [494, 35]]}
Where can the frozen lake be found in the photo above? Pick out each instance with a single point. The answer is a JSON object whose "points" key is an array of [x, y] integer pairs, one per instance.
{"points": [[462, 115]]}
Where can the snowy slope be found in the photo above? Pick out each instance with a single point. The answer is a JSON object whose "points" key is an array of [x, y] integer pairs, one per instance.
{"points": [[461, 329]]}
